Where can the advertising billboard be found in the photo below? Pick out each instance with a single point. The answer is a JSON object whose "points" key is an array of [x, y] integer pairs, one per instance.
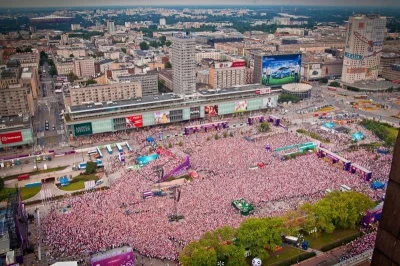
{"points": [[268, 102], [263, 91], [134, 121], [12, 137], [230, 64], [83, 129], [161, 117], [124, 259], [240, 106], [281, 69], [211, 110], [315, 73]]}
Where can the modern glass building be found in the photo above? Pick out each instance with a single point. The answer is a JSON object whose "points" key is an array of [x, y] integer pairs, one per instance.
{"points": [[114, 116]]}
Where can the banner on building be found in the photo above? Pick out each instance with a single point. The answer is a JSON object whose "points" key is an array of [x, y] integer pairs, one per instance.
{"points": [[12, 137], [240, 106], [134, 121], [161, 117], [83, 129], [315, 73], [211, 110], [263, 91], [230, 64]]}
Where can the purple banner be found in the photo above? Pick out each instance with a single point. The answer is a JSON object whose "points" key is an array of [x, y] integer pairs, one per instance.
{"points": [[181, 169], [125, 259]]}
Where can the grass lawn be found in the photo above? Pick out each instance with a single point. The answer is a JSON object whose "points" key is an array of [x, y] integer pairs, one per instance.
{"points": [[325, 238], [79, 182], [29, 192], [393, 131], [284, 254], [49, 170], [4, 193]]}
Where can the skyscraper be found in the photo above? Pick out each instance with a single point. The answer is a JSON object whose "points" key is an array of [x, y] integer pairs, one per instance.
{"points": [[110, 26], [183, 64], [364, 42]]}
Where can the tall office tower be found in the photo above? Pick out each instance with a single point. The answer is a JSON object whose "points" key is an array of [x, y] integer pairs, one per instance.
{"points": [[364, 42], [183, 64], [163, 22], [110, 26]]}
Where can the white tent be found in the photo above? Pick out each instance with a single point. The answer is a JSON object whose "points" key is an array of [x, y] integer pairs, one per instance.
{"points": [[65, 263]]}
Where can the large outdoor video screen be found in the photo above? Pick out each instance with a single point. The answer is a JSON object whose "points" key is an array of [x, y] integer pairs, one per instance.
{"points": [[278, 70]]}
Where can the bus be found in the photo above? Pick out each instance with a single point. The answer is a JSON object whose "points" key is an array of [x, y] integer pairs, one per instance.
{"points": [[344, 188], [109, 150], [99, 152], [129, 147], [119, 148], [82, 166]]}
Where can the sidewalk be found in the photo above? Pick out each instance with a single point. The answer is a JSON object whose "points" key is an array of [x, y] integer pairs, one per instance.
{"points": [[328, 258]]}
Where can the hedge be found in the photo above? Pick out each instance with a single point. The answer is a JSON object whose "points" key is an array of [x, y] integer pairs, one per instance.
{"points": [[340, 242], [293, 260]]}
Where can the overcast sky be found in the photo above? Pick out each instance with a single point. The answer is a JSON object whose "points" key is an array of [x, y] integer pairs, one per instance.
{"points": [[65, 3]]}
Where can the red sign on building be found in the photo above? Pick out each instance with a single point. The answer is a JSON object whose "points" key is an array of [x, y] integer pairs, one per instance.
{"points": [[238, 64], [134, 121], [11, 137]]}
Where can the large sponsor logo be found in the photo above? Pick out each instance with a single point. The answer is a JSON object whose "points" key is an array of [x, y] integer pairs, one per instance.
{"points": [[161, 117], [230, 64], [11, 137], [134, 121], [278, 70], [353, 56], [83, 129]]}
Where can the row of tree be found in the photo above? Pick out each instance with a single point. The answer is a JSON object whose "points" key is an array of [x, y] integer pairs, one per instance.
{"points": [[260, 236]]}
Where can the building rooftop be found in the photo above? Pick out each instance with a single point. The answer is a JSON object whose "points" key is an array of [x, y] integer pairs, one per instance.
{"points": [[235, 89], [126, 102], [8, 122]]}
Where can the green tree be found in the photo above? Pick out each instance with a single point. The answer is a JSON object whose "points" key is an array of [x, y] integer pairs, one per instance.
{"points": [[260, 234], [53, 71], [144, 46], [168, 43], [168, 65], [90, 82], [323, 80], [1, 184], [264, 127], [170, 145], [225, 134], [335, 84], [196, 255], [72, 77], [216, 137], [288, 98], [91, 168], [71, 55], [180, 144], [123, 50]]}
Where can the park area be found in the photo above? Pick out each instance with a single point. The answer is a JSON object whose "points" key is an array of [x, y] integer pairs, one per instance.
{"points": [[26, 193], [324, 240], [78, 182]]}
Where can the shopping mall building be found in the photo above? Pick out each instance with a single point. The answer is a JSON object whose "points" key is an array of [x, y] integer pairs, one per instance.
{"points": [[121, 115]]}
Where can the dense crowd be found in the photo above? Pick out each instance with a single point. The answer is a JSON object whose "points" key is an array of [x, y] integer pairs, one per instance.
{"points": [[98, 220], [361, 244]]}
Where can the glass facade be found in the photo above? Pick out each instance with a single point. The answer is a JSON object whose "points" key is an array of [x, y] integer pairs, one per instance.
{"points": [[27, 139], [104, 125]]}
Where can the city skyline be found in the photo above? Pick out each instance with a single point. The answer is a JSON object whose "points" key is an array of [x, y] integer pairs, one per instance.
{"points": [[91, 3]]}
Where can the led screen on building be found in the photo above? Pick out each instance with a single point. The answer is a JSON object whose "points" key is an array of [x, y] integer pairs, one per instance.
{"points": [[161, 117], [134, 121], [278, 70], [211, 110]]}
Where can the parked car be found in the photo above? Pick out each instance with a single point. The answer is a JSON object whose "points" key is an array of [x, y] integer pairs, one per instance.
{"points": [[281, 73]]}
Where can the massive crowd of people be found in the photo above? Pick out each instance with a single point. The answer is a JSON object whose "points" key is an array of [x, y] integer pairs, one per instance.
{"points": [[95, 221]]}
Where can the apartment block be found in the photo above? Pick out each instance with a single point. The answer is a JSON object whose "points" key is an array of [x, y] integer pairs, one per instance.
{"points": [[84, 67], [104, 93], [227, 74], [148, 81]]}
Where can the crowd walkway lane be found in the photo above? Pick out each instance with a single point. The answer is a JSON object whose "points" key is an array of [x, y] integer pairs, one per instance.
{"points": [[329, 256]]}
